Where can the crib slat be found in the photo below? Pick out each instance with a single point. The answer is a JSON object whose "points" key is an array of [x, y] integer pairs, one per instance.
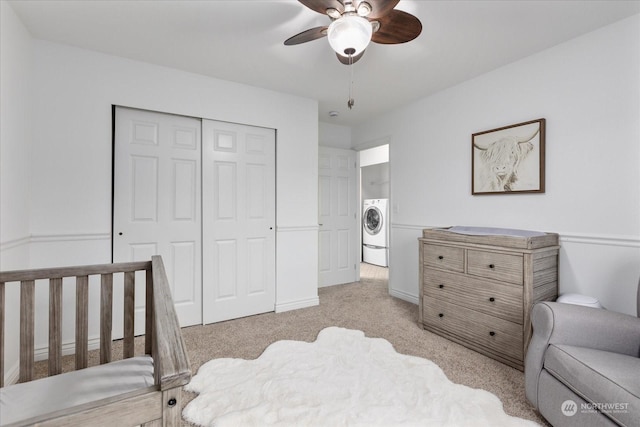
{"points": [[27, 316], [148, 325], [106, 317], [2, 311], [55, 326], [82, 321], [129, 313]]}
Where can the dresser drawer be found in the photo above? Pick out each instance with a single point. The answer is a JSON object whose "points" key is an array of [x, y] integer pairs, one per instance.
{"points": [[500, 300], [496, 266], [445, 257], [475, 329]]}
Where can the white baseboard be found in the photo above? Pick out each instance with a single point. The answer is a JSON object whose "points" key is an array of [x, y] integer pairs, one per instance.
{"points": [[404, 296], [12, 375], [42, 353], [295, 305]]}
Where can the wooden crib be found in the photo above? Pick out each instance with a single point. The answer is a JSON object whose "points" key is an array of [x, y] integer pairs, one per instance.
{"points": [[144, 389]]}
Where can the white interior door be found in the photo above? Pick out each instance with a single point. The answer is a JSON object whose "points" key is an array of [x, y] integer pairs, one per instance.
{"points": [[157, 204], [238, 220], [337, 217]]}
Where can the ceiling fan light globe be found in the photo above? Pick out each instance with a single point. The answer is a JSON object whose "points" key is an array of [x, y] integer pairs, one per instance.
{"points": [[349, 34]]}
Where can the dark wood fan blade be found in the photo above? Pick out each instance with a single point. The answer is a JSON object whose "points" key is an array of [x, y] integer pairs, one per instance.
{"points": [[307, 36], [397, 27], [321, 6], [380, 8], [345, 60]]}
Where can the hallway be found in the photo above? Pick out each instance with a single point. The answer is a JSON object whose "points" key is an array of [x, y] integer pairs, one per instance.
{"points": [[373, 272]]}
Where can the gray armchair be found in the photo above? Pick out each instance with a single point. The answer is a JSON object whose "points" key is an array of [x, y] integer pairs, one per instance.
{"points": [[583, 365]]}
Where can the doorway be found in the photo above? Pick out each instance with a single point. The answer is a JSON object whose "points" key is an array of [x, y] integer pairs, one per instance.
{"points": [[374, 200]]}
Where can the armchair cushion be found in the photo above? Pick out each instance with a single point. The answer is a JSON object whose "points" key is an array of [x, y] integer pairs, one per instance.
{"points": [[600, 377]]}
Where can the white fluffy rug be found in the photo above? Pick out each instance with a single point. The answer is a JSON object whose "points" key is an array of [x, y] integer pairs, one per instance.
{"points": [[341, 379]]}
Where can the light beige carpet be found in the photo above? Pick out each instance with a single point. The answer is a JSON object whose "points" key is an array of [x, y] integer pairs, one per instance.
{"points": [[364, 306]]}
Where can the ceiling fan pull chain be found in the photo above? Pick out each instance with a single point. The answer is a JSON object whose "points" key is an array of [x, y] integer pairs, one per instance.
{"points": [[350, 102]]}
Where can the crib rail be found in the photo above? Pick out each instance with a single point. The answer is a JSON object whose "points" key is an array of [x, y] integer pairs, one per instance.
{"points": [[27, 283], [157, 405], [165, 341]]}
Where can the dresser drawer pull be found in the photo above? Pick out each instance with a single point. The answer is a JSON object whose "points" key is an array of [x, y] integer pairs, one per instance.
{"points": [[440, 257], [492, 266], [441, 286], [492, 299], [440, 315], [492, 333]]}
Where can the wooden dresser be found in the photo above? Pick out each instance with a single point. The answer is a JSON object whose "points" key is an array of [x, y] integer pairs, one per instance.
{"points": [[478, 290]]}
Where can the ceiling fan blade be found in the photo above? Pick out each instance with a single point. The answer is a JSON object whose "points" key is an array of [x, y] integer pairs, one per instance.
{"points": [[321, 6], [307, 36], [345, 60], [380, 8], [397, 27]]}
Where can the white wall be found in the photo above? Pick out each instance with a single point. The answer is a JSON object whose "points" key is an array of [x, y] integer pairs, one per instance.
{"points": [[15, 138], [588, 89], [332, 135], [374, 181], [64, 216], [374, 156], [71, 194], [15, 167]]}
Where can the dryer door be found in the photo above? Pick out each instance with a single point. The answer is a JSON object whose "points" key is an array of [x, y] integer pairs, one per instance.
{"points": [[372, 221]]}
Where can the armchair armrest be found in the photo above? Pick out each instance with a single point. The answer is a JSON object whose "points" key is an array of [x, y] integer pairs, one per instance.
{"points": [[556, 323]]}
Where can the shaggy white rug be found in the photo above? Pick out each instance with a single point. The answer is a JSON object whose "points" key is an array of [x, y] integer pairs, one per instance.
{"points": [[341, 379]]}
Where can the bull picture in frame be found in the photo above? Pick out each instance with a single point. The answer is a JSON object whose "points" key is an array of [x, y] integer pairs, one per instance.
{"points": [[508, 160]]}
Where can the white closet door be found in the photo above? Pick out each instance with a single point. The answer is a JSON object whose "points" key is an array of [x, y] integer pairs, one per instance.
{"points": [[157, 204], [337, 217], [238, 220]]}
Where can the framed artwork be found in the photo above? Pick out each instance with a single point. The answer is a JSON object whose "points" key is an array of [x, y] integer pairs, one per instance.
{"points": [[508, 160]]}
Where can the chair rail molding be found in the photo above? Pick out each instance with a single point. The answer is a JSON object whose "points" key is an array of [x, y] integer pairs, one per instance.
{"points": [[295, 228], [630, 241], [14, 243]]}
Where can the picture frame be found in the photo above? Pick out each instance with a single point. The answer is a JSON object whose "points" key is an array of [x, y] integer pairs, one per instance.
{"points": [[509, 159]]}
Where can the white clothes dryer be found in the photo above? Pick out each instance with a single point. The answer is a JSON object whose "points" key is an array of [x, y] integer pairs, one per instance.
{"points": [[375, 232]]}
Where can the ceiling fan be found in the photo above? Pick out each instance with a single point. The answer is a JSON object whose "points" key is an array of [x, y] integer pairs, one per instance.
{"points": [[355, 23]]}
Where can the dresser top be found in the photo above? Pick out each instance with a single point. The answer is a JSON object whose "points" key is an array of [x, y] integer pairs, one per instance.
{"points": [[494, 237]]}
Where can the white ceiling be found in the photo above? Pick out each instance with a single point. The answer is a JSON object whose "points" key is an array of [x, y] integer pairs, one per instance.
{"points": [[242, 41]]}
